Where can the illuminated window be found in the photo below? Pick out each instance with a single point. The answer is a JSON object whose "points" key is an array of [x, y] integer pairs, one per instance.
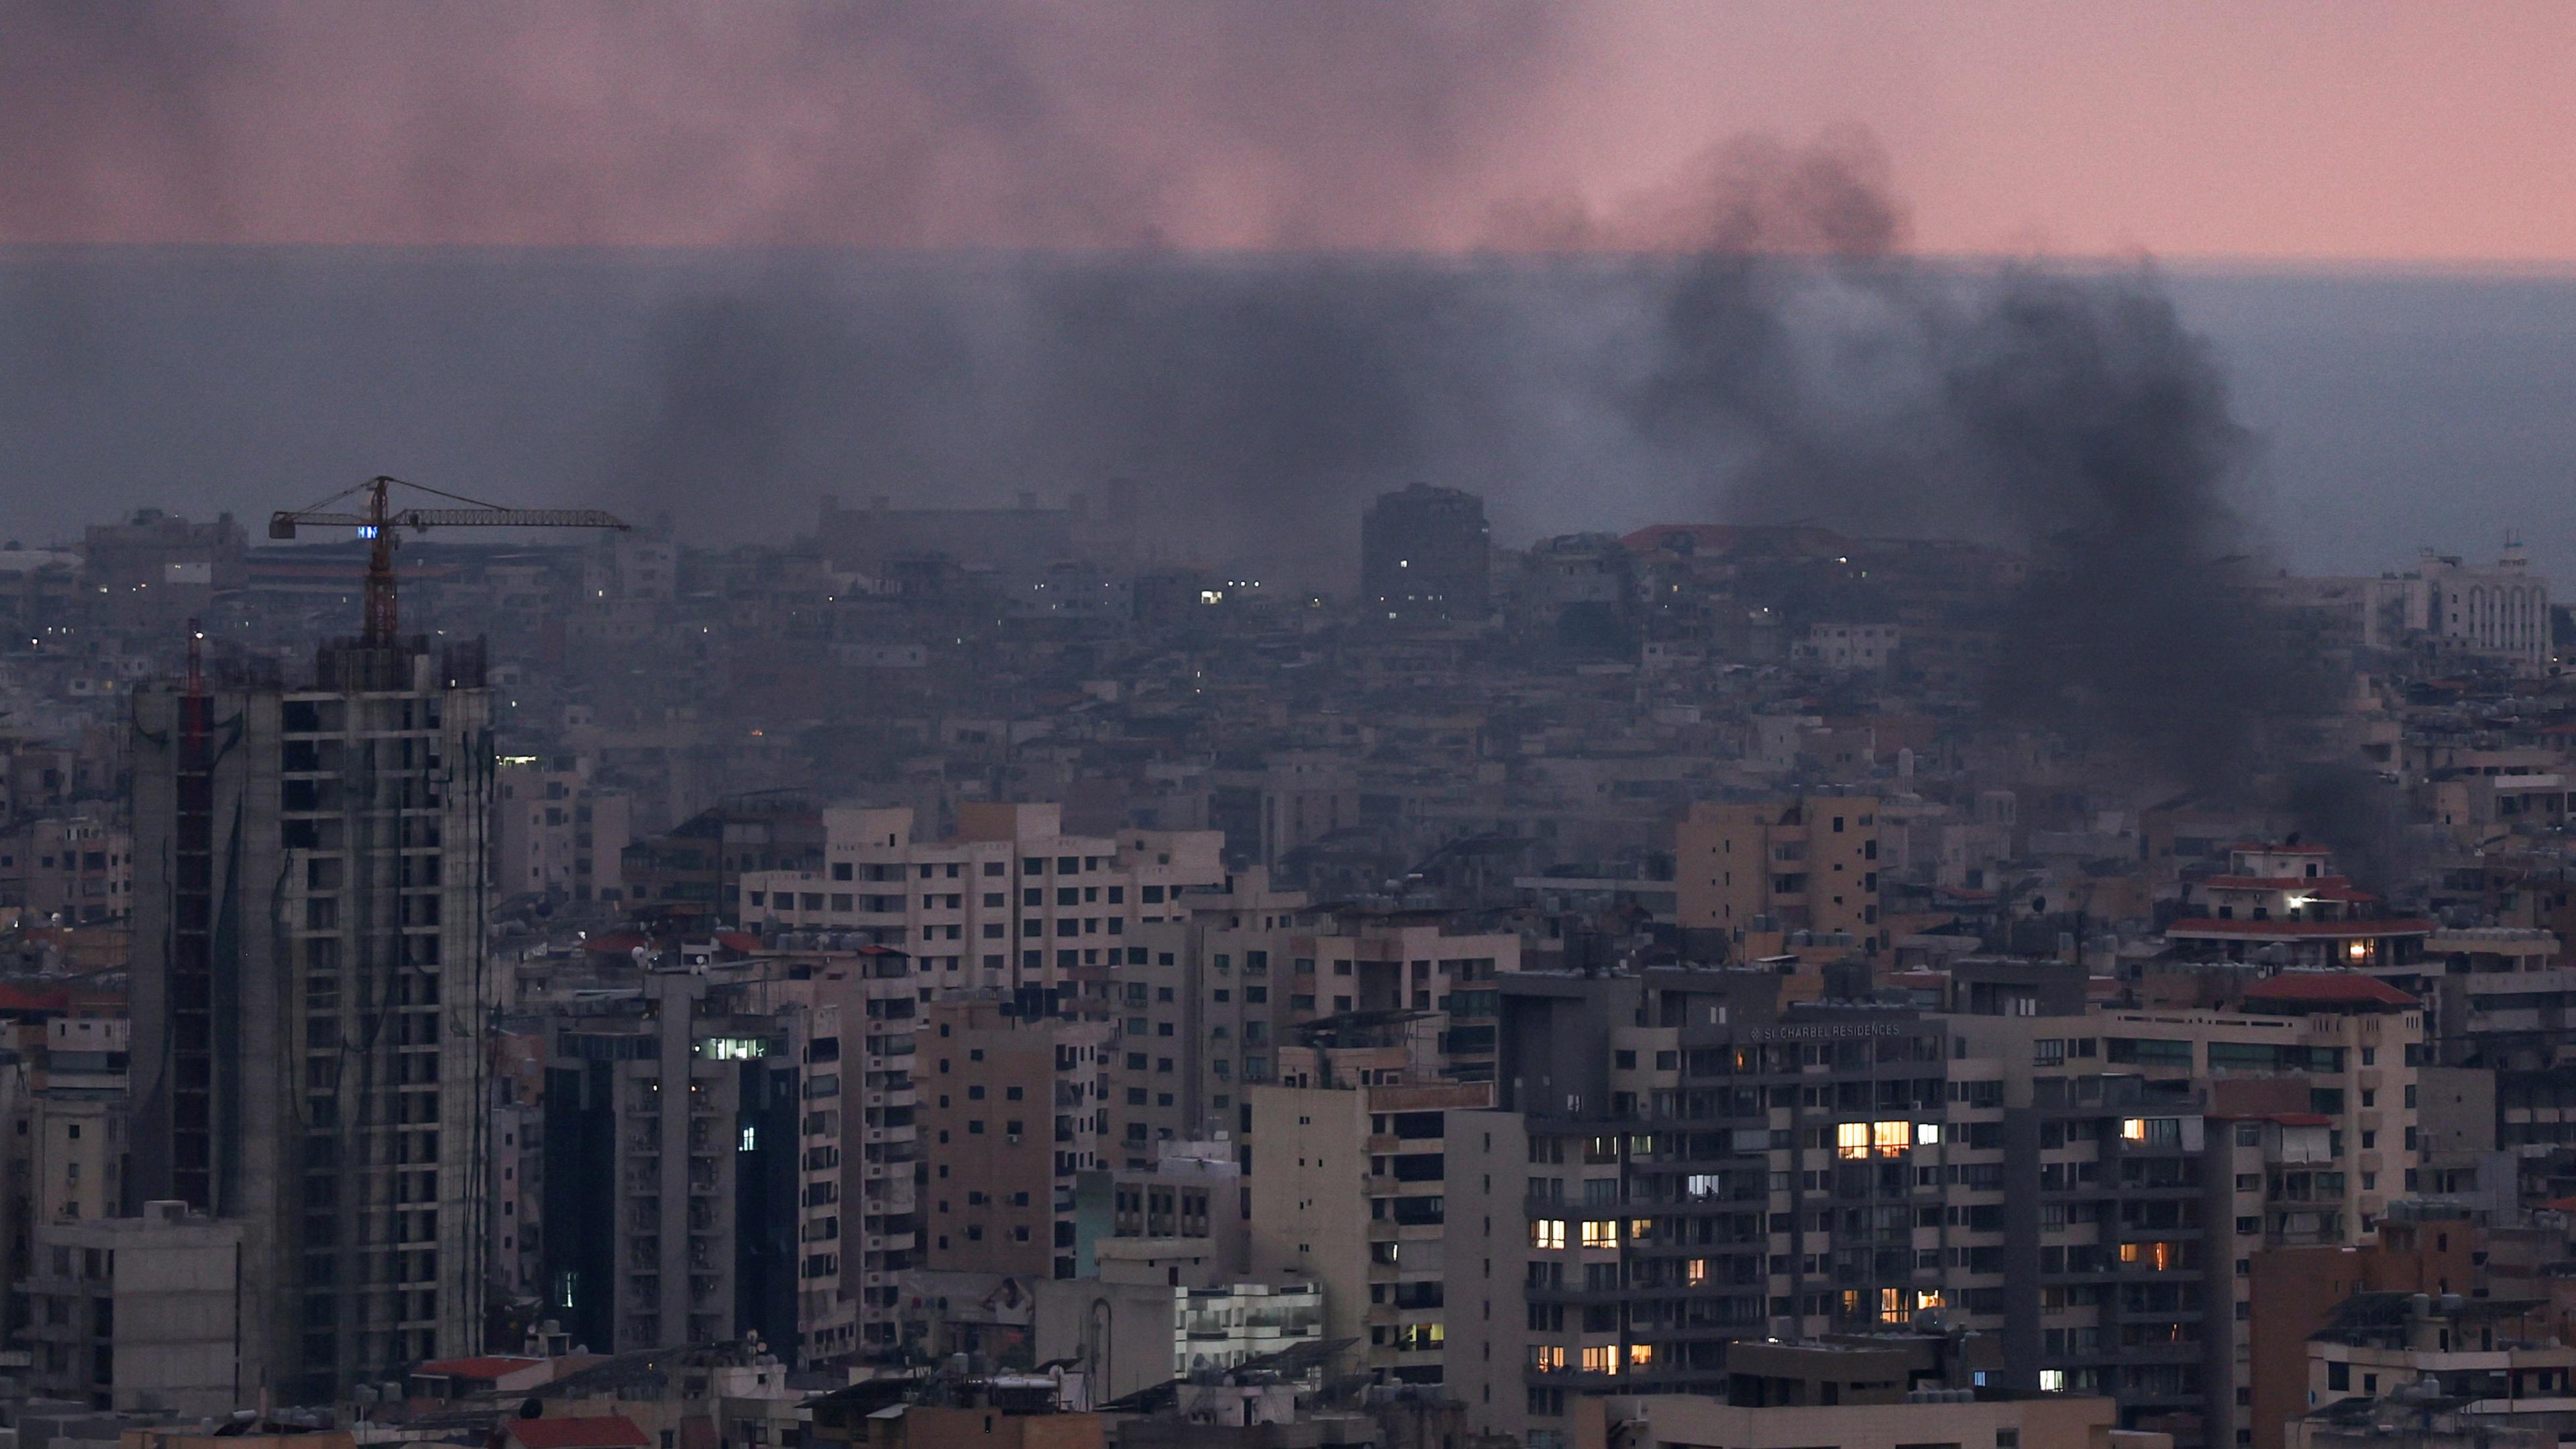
{"points": [[1600, 1233], [1547, 1233], [1891, 1138], [1547, 1358], [1601, 1359], [2154, 1131], [733, 1048], [1701, 1184], [1928, 1135], [1640, 1355], [1851, 1139], [1695, 1271], [1928, 1298], [1640, 1229], [1891, 1305], [2052, 1381]]}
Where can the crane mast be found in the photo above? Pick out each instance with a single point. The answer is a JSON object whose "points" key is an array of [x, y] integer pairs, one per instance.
{"points": [[381, 524]]}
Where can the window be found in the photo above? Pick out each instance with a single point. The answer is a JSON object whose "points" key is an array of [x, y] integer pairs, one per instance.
{"points": [[1547, 1233]]}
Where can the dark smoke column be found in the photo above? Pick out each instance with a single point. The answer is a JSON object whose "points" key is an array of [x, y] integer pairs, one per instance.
{"points": [[1426, 556]]}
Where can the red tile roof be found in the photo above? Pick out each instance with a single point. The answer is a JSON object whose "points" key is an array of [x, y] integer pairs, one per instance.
{"points": [[14, 999], [605, 1431], [2328, 988]]}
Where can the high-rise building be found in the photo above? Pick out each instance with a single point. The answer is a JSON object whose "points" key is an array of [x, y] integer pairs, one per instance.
{"points": [[1808, 863], [1426, 556], [1211, 1004], [1681, 1160], [309, 998], [1010, 1117], [673, 1148], [1012, 903], [1350, 1190]]}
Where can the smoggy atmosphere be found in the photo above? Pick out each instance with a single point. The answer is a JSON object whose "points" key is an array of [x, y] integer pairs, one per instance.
{"points": [[1287, 724]]}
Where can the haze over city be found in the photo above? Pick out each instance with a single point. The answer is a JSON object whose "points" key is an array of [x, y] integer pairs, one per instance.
{"points": [[1399, 725]]}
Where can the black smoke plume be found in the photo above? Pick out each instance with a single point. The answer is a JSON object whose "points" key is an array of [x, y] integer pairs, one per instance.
{"points": [[1748, 340]]}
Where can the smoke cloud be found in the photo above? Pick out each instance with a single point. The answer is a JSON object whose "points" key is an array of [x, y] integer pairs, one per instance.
{"points": [[1747, 341], [866, 123]]}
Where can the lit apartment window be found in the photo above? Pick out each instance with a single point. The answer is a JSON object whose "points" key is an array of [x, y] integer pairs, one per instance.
{"points": [[1547, 1233]]}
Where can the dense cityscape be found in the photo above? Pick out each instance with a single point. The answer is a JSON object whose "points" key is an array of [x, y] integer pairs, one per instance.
{"points": [[584, 989]]}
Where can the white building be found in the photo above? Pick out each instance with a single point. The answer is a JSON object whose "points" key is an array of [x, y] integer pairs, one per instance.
{"points": [[2496, 611], [1013, 901], [1849, 646]]}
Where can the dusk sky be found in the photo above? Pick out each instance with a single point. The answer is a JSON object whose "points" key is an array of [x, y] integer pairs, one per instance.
{"points": [[2368, 209], [2289, 130]]}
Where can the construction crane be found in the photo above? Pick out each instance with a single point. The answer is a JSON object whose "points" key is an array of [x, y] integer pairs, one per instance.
{"points": [[383, 524]]}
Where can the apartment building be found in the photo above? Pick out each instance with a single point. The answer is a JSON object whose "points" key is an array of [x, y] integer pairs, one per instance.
{"points": [[1207, 1006], [1011, 1117], [140, 1314], [672, 1130], [1012, 902], [1351, 1190], [1808, 863], [79, 1120], [1192, 1207], [74, 869], [553, 831], [857, 1015], [1679, 1159], [2285, 903]]}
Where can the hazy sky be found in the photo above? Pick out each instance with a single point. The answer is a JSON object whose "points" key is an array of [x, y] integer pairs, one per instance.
{"points": [[2292, 164], [2296, 130]]}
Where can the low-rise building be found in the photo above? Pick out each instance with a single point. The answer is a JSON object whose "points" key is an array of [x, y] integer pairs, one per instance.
{"points": [[141, 1314]]}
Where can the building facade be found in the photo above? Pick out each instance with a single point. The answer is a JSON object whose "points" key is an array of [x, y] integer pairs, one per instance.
{"points": [[309, 998]]}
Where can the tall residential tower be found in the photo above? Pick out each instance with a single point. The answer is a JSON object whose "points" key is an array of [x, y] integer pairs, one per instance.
{"points": [[309, 884]]}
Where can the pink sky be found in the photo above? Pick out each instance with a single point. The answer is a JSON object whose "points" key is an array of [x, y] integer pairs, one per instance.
{"points": [[2326, 130]]}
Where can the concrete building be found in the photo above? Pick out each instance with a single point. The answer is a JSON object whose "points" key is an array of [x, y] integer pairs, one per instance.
{"points": [[309, 986], [1191, 1201], [1012, 902], [1350, 1189], [1130, 1328], [672, 1132], [142, 1314], [2294, 1292], [2488, 1363], [553, 832], [1010, 1118], [1843, 645], [1808, 863], [80, 1119], [1680, 1158], [78, 870], [1208, 1006], [1426, 556]]}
